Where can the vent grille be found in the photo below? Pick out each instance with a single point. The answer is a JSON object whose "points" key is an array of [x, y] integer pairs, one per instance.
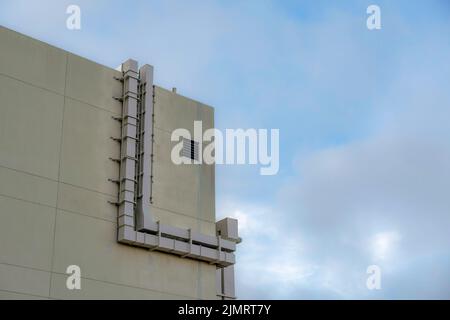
{"points": [[190, 149]]}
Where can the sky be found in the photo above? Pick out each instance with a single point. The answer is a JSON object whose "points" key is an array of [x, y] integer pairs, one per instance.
{"points": [[363, 115]]}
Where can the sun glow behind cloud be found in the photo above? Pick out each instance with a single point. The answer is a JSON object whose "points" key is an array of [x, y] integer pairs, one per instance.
{"points": [[384, 245]]}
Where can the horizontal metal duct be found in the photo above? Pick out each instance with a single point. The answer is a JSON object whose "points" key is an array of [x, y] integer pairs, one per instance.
{"points": [[167, 243]]}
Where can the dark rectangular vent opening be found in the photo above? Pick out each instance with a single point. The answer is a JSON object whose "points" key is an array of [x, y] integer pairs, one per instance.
{"points": [[190, 149]]}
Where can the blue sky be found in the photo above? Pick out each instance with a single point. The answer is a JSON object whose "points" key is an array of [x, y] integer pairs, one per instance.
{"points": [[363, 118]]}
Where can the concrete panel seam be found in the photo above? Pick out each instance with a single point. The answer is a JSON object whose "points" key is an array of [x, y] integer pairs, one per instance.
{"points": [[59, 173]]}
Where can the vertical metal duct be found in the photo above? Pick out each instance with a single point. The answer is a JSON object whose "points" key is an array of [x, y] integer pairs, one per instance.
{"points": [[144, 220]]}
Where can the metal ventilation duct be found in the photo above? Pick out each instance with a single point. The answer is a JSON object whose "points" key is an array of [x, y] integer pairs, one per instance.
{"points": [[135, 223]]}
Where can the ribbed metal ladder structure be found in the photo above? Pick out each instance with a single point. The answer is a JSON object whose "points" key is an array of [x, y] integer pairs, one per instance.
{"points": [[129, 141]]}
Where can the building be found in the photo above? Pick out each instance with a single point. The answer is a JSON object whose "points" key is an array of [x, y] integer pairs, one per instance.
{"points": [[86, 179]]}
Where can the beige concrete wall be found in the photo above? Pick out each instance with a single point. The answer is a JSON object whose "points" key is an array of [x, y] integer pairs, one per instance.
{"points": [[55, 125], [183, 195]]}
